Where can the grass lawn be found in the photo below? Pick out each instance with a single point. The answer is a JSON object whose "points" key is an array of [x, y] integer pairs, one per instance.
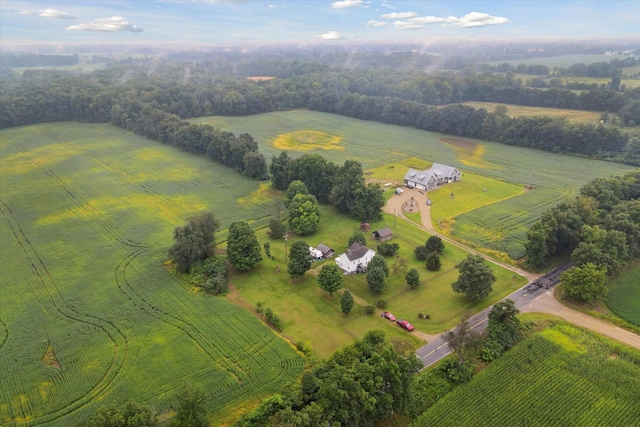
{"points": [[499, 226], [553, 378], [300, 303]]}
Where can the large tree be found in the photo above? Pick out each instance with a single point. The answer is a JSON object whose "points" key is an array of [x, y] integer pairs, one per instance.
{"points": [[413, 278], [330, 278], [475, 278], [346, 302], [191, 411], [296, 187], [378, 261], [434, 244], [304, 214], [299, 259], [369, 200], [131, 414], [376, 279], [348, 179], [503, 331], [243, 248], [584, 283], [194, 241], [280, 170]]}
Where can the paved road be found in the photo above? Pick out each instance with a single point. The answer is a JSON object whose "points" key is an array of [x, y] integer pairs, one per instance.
{"points": [[438, 348]]}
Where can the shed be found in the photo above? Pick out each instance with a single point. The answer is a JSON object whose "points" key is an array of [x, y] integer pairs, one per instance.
{"points": [[383, 234], [327, 252]]}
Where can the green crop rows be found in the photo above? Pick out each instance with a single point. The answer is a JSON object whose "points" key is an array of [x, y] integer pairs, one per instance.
{"points": [[553, 378], [500, 226], [88, 314], [623, 297]]}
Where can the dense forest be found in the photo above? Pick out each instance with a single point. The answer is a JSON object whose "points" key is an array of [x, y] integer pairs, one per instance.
{"points": [[153, 98]]}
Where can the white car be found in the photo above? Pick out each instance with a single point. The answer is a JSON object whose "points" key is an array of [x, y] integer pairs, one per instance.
{"points": [[399, 190]]}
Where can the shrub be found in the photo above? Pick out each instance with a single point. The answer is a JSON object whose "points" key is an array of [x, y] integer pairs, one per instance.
{"points": [[388, 249], [370, 309], [381, 303], [421, 253], [433, 261]]}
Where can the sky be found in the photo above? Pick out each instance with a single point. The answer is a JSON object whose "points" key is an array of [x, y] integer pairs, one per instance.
{"points": [[218, 22]]}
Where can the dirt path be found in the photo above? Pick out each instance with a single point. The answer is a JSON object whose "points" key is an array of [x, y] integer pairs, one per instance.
{"points": [[394, 206], [547, 303]]}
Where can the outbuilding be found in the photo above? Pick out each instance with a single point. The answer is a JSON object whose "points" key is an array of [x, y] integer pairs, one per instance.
{"points": [[383, 234]]}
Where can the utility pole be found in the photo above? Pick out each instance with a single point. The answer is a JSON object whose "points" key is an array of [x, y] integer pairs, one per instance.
{"points": [[394, 217]]}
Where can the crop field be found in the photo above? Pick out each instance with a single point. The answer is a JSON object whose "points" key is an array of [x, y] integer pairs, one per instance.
{"points": [[89, 314], [498, 226], [553, 378], [574, 116], [623, 297]]}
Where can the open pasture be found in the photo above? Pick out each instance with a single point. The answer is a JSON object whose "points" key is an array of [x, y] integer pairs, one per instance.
{"points": [[623, 297], [89, 314], [574, 116], [498, 226], [553, 378], [563, 61]]}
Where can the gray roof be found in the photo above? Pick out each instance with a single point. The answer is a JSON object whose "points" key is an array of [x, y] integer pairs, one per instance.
{"points": [[444, 170], [437, 170], [356, 251], [384, 232], [323, 248]]}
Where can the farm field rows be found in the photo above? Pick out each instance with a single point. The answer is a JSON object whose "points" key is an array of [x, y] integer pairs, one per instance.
{"points": [[553, 378], [89, 314], [623, 296], [499, 226]]}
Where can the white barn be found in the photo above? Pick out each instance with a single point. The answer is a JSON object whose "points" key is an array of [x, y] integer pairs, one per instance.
{"points": [[356, 258]]}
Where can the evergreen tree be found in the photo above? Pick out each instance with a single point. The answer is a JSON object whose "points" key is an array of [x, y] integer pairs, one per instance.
{"points": [[346, 302], [413, 278]]}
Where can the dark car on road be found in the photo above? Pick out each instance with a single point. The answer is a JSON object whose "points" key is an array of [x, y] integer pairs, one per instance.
{"points": [[404, 324]]}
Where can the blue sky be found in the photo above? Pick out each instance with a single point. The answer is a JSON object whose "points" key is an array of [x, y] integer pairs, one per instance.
{"points": [[233, 22]]}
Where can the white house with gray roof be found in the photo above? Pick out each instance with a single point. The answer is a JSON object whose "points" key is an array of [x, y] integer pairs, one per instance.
{"points": [[428, 179], [356, 258]]}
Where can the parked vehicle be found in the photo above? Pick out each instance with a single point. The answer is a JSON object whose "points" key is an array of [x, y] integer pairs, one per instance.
{"points": [[389, 316], [404, 324], [399, 190]]}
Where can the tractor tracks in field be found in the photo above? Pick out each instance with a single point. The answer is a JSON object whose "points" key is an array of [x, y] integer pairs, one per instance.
{"points": [[118, 339]]}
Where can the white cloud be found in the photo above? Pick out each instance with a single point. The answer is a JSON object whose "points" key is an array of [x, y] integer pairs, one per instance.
{"points": [[374, 23], [346, 3], [48, 13], [399, 15], [333, 35], [388, 6], [107, 25], [476, 19], [427, 20], [406, 25]]}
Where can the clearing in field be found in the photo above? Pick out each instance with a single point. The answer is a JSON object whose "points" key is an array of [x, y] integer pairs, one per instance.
{"points": [[470, 153], [306, 140], [553, 378], [574, 116], [89, 315], [623, 297]]}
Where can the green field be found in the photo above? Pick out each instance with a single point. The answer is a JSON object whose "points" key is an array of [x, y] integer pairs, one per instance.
{"points": [[89, 314], [498, 226], [623, 297], [553, 378], [574, 116]]}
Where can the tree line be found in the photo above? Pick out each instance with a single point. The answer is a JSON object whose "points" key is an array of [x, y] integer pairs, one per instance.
{"points": [[144, 101], [599, 229], [342, 186]]}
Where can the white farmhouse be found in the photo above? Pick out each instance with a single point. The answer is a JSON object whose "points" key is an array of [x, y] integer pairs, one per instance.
{"points": [[427, 179], [356, 258]]}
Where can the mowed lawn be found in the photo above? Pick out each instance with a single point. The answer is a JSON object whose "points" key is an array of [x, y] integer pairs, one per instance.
{"points": [[553, 378], [89, 314], [498, 226], [309, 314], [623, 296]]}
